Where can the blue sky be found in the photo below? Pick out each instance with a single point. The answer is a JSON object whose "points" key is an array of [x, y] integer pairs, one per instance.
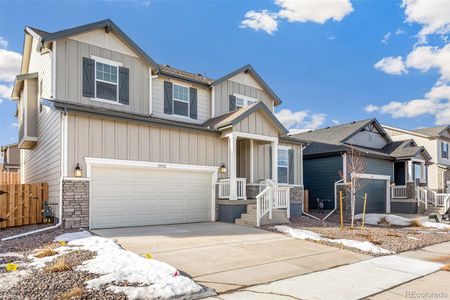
{"points": [[318, 58]]}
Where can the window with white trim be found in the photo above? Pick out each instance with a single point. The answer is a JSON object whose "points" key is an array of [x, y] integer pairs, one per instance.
{"points": [[283, 165], [106, 81], [243, 101], [444, 150], [180, 100]]}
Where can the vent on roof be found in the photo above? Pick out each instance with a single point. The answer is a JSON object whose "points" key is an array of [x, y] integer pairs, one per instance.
{"points": [[353, 122], [327, 127], [166, 65], [199, 74]]}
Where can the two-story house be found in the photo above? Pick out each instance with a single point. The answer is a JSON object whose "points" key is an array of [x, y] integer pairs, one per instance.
{"points": [[436, 140], [124, 141], [11, 158]]}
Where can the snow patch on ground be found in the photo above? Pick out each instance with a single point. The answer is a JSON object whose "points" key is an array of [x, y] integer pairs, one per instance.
{"points": [[302, 234], [374, 219], [10, 279], [115, 264]]}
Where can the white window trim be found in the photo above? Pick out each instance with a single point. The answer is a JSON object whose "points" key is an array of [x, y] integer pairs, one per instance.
{"points": [[111, 63], [284, 148], [180, 100], [245, 98], [442, 152]]}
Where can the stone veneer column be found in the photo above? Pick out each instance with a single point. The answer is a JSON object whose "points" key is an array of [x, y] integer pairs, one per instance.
{"points": [[75, 203]]}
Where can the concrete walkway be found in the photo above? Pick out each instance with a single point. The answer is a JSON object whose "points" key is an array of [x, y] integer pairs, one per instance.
{"points": [[229, 257], [358, 280]]}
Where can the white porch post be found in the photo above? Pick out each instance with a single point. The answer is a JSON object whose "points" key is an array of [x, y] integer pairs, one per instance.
{"points": [[410, 171], [251, 162], [233, 178], [275, 161]]}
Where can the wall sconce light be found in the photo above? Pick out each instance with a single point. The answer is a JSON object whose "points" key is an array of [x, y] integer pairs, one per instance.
{"points": [[78, 171], [223, 168]]}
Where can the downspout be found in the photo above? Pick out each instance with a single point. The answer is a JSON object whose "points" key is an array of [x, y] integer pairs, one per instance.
{"points": [[62, 148]]}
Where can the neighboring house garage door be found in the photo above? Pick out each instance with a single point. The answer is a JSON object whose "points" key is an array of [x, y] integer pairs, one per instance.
{"points": [[376, 196], [135, 196]]}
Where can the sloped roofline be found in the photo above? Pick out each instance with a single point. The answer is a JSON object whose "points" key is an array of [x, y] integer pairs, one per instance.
{"points": [[248, 112], [249, 69], [109, 26], [378, 126]]}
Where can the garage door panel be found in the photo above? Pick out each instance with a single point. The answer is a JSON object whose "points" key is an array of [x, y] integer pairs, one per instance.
{"points": [[134, 196], [376, 196]]}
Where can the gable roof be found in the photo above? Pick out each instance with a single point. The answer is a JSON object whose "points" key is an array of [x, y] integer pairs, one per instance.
{"points": [[237, 116], [249, 69], [432, 131], [108, 25], [340, 133], [184, 75]]}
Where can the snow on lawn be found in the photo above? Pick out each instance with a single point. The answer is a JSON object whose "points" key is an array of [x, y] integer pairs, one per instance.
{"points": [[374, 219], [156, 279], [309, 235]]}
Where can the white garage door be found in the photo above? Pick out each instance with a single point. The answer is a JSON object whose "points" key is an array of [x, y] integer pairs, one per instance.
{"points": [[135, 196]]}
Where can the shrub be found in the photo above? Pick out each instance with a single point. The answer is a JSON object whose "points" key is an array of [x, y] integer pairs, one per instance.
{"points": [[58, 266]]}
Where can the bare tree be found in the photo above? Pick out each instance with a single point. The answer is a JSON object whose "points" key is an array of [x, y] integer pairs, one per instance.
{"points": [[355, 163]]}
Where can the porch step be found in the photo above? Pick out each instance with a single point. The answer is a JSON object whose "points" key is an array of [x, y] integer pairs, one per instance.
{"points": [[434, 209], [249, 218]]}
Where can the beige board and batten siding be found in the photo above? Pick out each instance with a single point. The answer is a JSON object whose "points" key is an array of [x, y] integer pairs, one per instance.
{"points": [[90, 136], [69, 82], [43, 162], [223, 91], [41, 63], [257, 123], [203, 101]]}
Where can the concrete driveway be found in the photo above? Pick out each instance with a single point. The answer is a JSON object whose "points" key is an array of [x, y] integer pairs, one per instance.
{"points": [[228, 257]]}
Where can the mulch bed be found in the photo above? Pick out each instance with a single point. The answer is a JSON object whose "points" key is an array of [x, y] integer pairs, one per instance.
{"points": [[397, 239]]}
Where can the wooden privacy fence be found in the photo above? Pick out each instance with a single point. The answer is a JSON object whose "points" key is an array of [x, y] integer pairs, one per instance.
{"points": [[9, 178], [22, 204]]}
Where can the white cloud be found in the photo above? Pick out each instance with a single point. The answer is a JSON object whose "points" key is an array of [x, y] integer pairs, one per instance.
{"points": [[425, 58], [335, 122], [399, 31], [371, 108], [15, 124], [9, 65], [5, 91], [262, 20], [317, 11], [3, 43], [300, 119], [386, 38], [391, 65], [433, 15]]}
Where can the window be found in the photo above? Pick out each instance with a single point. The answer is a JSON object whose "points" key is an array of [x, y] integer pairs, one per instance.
{"points": [[243, 101], [106, 81], [444, 150], [283, 165], [180, 100]]}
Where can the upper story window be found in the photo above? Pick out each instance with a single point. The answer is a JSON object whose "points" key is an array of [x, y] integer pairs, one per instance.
{"points": [[180, 100], [105, 80], [243, 101], [444, 150]]}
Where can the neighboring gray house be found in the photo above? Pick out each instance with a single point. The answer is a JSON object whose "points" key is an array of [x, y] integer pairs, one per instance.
{"points": [[124, 141], [393, 168], [11, 158], [436, 140]]}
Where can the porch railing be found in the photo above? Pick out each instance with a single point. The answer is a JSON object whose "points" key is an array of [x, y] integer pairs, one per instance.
{"points": [[272, 197], [428, 196], [224, 188], [398, 192]]}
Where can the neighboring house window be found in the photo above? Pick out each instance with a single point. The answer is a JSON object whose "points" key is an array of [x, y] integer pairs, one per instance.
{"points": [[243, 101], [106, 81], [444, 150], [283, 165], [180, 100]]}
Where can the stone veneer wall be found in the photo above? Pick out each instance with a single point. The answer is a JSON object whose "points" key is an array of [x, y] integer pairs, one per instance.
{"points": [[75, 203]]}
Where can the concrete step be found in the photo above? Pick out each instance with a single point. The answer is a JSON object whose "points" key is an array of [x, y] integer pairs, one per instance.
{"points": [[245, 222]]}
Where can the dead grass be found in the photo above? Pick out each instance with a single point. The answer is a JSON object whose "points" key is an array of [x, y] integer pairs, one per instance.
{"points": [[58, 266], [416, 223], [394, 234], [446, 268], [383, 221], [45, 252], [73, 293]]}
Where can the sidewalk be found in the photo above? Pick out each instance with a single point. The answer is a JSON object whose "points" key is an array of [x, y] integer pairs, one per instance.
{"points": [[355, 281]]}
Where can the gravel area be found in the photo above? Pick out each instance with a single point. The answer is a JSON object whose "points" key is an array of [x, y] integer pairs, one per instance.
{"points": [[30, 242], [397, 239], [42, 284]]}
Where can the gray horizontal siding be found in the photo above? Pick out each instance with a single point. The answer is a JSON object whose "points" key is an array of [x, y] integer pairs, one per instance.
{"points": [[42, 163], [379, 166]]}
